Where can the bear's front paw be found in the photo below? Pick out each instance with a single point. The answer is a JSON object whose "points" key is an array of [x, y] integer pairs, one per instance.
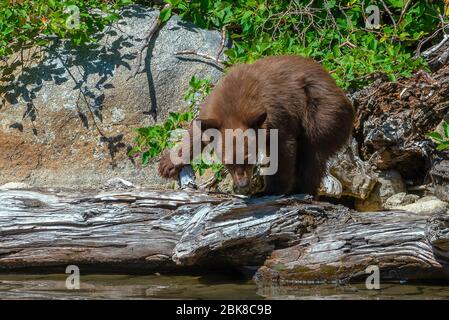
{"points": [[167, 169]]}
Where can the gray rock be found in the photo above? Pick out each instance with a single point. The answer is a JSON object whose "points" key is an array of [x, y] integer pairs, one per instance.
{"points": [[54, 110], [400, 199], [427, 205], [389, 183], [118, 183], [14, 186]]}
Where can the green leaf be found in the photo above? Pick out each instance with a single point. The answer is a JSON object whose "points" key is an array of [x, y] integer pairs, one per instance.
{"points": [[52, 3], [443, 146], [145, 158], [165, 15], [396, 3], [436, 136], [446, 129]]}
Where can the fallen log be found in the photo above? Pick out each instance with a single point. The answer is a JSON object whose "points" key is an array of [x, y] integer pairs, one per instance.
{"points": [[287, 238]]}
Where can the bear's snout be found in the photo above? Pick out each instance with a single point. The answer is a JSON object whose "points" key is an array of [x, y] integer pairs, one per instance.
{"points": [[242, 179], [242, 183]]}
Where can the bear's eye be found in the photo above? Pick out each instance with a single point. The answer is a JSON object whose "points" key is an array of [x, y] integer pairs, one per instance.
{"points": [[208, 124], [258, 121]]}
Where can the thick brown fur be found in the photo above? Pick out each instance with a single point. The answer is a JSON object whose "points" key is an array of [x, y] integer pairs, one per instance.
{"points": [[300, 99]]}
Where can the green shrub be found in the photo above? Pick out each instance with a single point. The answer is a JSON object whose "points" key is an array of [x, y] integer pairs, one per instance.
{"points": [[330, 31], [26, 23], [151, 141]]}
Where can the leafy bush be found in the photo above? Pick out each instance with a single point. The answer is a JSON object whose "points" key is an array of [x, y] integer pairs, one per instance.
{"points": [[151, 141], [26, 22], [330, 31], [217, 169]]}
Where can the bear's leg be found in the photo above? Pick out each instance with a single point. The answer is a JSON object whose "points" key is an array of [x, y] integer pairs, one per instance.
{"points": [[309, 171], [283, 181]]}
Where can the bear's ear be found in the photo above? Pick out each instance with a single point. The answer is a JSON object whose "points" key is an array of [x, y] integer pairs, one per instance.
{"points": [[258, 121], [208, 124]]}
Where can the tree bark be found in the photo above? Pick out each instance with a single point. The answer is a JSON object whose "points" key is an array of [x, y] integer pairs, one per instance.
{"points": [[393, 119], [286, 238]]}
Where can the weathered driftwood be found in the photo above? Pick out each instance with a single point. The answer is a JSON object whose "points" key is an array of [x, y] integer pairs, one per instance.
{"points": [[164, 230], [403, 245]]}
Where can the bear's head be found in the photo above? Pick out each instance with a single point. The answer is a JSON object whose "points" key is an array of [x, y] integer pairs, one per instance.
{"points": [[237, 143]]}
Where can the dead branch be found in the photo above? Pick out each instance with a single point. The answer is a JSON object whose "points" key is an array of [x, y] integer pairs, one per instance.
{"points": [[202, 55], [216, 59], [146, 42], [222, 42], [389, 13]]}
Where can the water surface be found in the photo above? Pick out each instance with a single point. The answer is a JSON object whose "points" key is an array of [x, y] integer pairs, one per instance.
{"points": [[52, 286]]}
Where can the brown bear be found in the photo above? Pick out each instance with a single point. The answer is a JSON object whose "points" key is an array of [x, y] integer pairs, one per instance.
{"points": [[292, 94]]}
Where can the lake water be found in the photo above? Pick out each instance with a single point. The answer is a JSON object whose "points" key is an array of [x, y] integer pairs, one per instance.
{"points": [[53, 286]]}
